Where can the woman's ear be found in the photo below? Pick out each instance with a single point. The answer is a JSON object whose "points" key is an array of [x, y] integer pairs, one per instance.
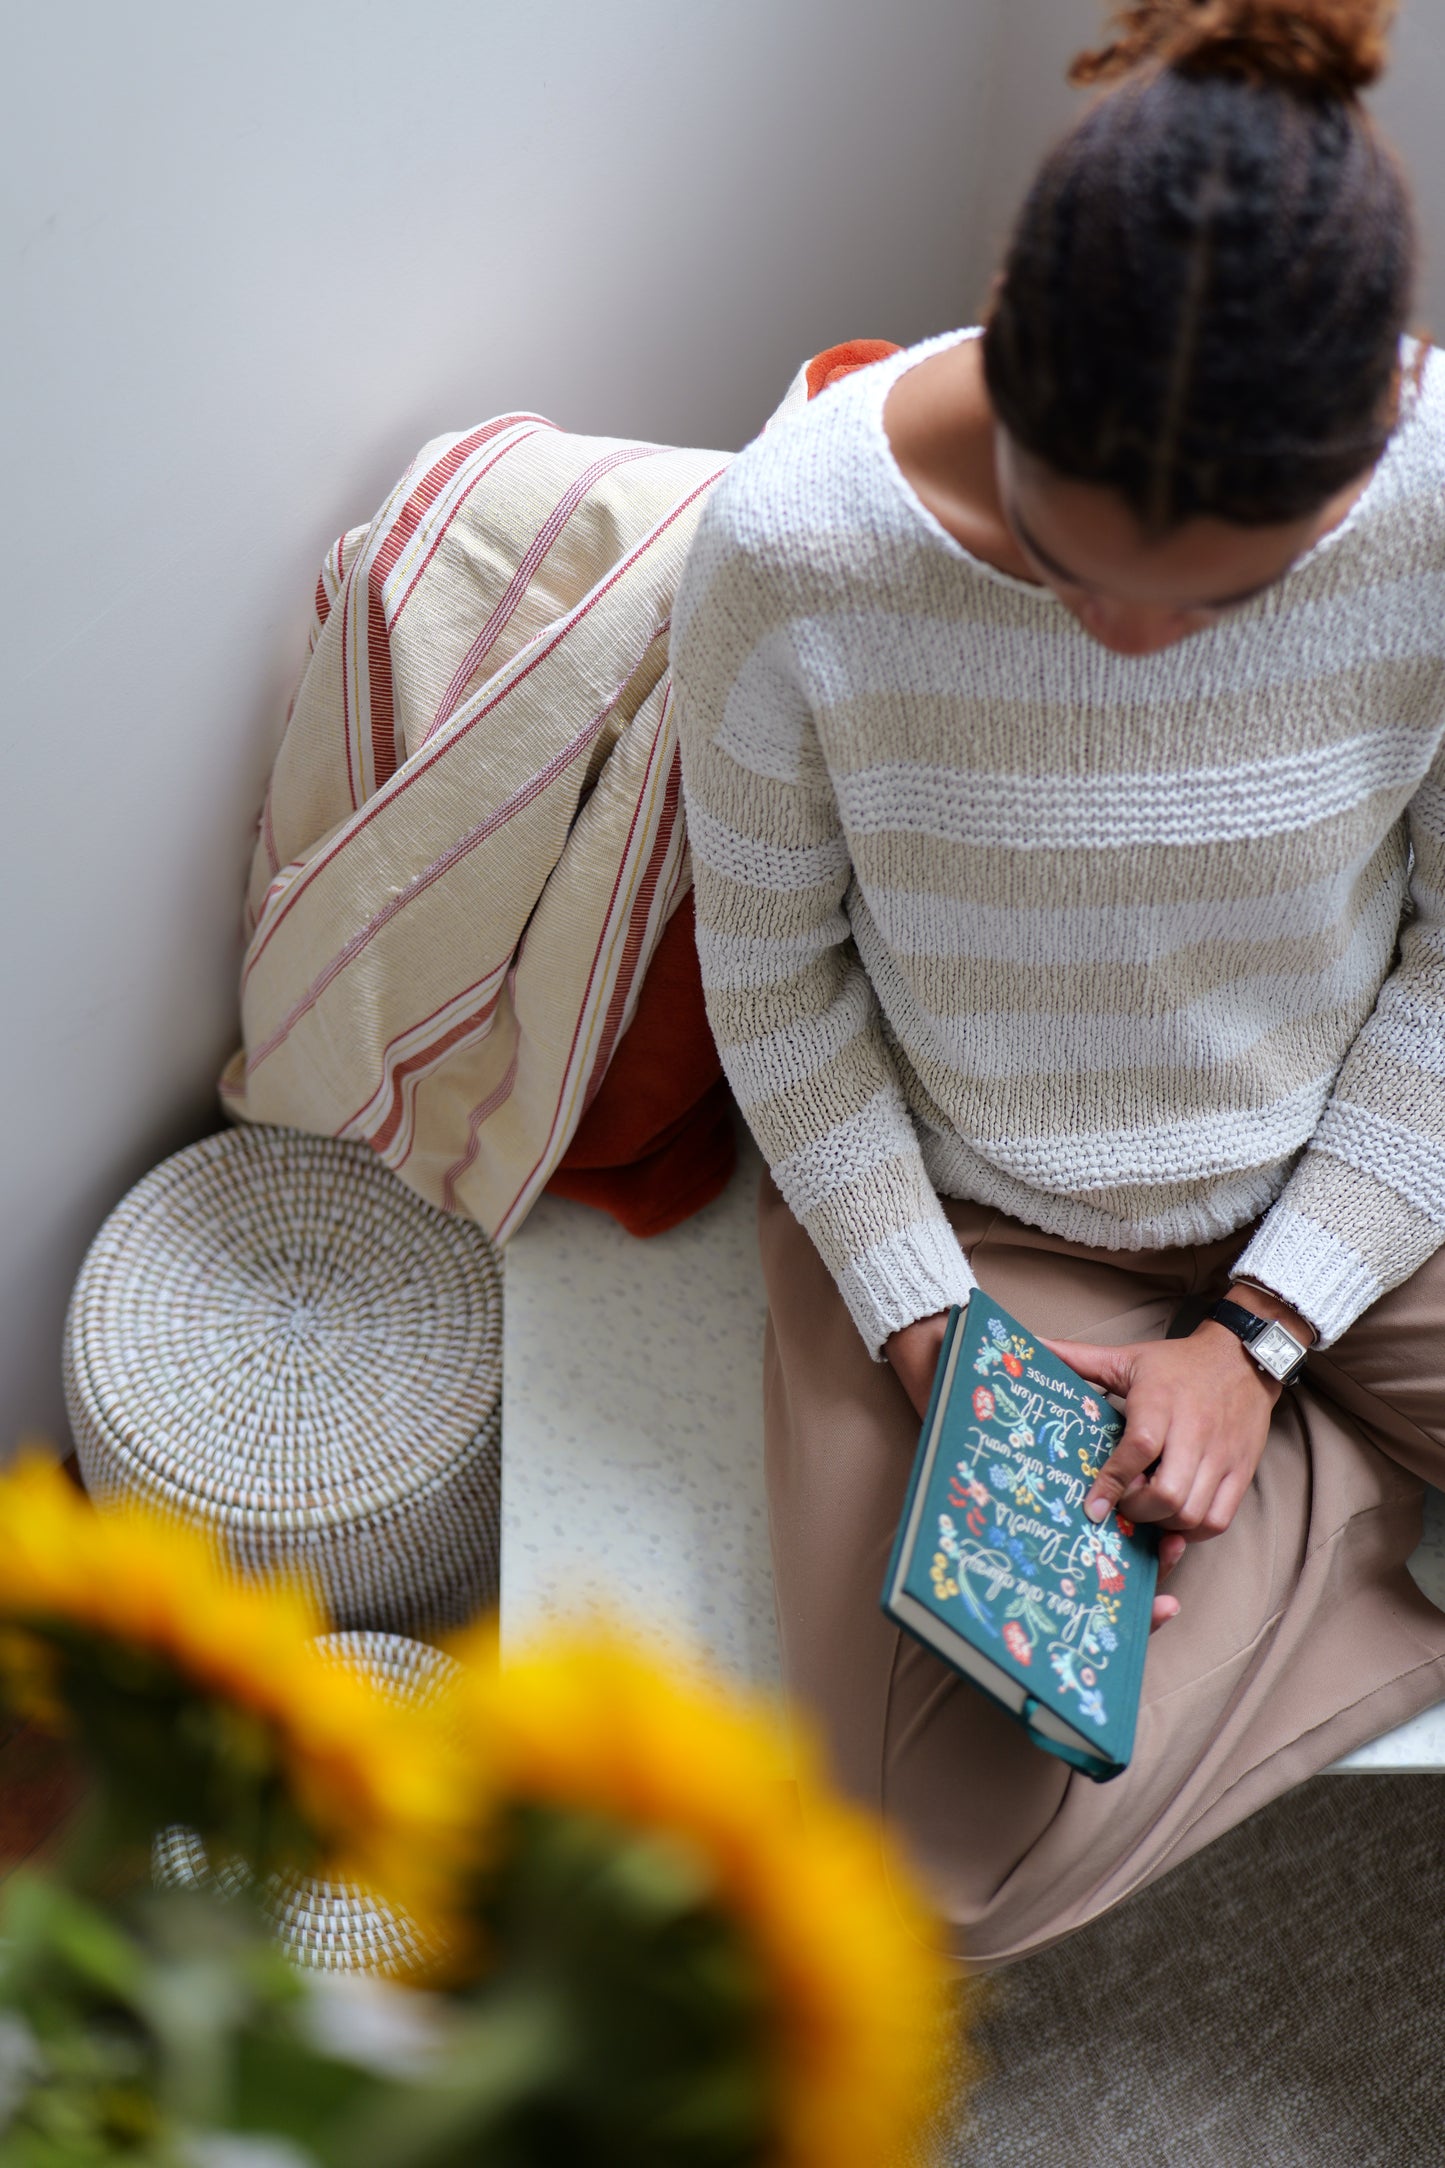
{"points": [[1415, 376]]}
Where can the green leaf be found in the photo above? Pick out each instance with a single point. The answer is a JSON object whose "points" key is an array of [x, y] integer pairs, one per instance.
{"points": [[42, 1920], [280, 2082]]}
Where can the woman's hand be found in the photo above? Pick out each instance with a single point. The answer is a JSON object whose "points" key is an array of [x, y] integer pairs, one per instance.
{"points": [[914, 1351], [1200, 1409], [1196, 1418]]}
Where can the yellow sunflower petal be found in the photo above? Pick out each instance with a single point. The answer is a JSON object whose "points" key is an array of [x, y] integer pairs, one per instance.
{"points": [[846, 1944], [373, 1780]]}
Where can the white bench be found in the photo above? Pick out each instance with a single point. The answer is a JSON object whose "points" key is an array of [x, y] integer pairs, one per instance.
{"points": [[632, 1457]]}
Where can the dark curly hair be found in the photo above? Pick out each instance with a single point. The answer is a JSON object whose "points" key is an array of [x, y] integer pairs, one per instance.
{"points": [[1202, 302]]}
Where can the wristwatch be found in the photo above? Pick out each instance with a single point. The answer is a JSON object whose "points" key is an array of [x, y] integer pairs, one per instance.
{"points": [[1274, 1349]]}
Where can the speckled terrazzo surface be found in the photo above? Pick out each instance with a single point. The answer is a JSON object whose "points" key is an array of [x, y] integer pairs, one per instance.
{"points": [[633, 1457], [632, 1421]]}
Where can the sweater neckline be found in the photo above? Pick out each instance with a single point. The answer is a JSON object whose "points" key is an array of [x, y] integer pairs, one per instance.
{"points": [[885, 374]]}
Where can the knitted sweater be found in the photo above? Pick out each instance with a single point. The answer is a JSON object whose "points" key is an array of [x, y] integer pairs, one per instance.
{"points": [[1135, 948]]}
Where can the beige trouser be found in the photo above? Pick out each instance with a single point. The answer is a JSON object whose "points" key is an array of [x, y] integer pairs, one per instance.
{"points": [[1300, 1635]]}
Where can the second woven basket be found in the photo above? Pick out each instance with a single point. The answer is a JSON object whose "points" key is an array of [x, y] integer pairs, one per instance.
{"points": [[274, 1338], [329, 1926]]}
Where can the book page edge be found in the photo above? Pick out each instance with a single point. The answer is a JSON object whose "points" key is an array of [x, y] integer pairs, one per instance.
{"points": [[923, 1469]]}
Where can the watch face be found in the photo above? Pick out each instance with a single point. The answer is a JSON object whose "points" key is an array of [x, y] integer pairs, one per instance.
{"points": [[1276, 1351]]}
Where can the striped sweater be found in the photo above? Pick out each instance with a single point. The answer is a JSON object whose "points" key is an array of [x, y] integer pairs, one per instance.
{"points": [[1135, 948]]}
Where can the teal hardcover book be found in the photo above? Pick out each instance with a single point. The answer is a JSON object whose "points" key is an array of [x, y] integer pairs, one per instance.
{"points": [[997, 1569]]}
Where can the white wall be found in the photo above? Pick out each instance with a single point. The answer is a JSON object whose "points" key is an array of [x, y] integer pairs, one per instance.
{"points": [[1029, 103], [252, 257], [1410, 103]]}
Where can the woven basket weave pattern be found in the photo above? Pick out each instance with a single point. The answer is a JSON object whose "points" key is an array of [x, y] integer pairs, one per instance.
{"points": [[330, 1926], [274, 1338]]}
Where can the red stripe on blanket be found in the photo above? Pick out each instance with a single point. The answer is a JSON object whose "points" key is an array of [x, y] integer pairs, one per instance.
{"points": [[637, 926], [382, 564], [442, 532], [418, 1062], [670, 799], [421, 763], [481, 1113], [420, 882], [351, 1126], [346, 694], [632, 948], [542, 541], [415, 1063], [381, 709]]}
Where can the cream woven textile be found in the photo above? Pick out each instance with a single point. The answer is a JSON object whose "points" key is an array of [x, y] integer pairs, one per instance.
{"points": [[473, 835], [274, 1341]]}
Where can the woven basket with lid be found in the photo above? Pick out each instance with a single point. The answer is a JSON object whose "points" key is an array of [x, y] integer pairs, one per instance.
{"points": [[272, 1337], [330, 1926]]}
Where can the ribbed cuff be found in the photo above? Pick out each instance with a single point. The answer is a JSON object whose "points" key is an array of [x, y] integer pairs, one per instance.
{"points": [[911, 1273], [1312, 1270]]}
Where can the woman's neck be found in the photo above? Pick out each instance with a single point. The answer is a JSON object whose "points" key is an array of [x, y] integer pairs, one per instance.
{"points": [[940, 428]]}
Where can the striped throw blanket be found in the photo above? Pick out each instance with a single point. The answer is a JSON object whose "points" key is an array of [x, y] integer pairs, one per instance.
{"points": [[473, 837]]}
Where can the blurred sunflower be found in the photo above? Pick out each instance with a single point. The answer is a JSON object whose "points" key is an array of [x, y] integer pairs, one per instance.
{"points": [[848, 1980], [199, 1699]]}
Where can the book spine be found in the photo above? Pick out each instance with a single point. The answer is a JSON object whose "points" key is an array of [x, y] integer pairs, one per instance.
{"points": [[1097, 1766]]}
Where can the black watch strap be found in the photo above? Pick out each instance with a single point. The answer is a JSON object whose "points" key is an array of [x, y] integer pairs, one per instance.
{"points": [[1275, 1349]]}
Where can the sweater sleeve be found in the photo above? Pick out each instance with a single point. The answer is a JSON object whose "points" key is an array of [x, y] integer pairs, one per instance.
{"points": [[796, 1019], [1365, 1206]]}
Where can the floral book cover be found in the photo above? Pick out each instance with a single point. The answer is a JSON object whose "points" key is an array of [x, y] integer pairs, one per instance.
{"points": [[996, 1567]]}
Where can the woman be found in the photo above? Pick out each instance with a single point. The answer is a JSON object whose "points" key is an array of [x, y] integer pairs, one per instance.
{"points": [[1063, 723]]}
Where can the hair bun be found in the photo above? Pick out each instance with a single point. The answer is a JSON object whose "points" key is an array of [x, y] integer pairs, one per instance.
{"points": [[1330, 48]]}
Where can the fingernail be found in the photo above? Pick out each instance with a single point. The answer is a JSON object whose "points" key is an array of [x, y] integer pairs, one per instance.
{"points": [[1096, 1508]]}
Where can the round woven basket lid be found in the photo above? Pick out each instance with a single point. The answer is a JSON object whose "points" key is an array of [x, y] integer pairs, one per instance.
{"points": [[329, 1926], [272, 1332]]}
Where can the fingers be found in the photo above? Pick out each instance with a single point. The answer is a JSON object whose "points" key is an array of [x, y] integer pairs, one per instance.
{"points": [[1193, 1493], [1145, 1429], [1165, 1494], [1223, 1506], [1190, 1442], [1110, 1367], [1171, 1550]]}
